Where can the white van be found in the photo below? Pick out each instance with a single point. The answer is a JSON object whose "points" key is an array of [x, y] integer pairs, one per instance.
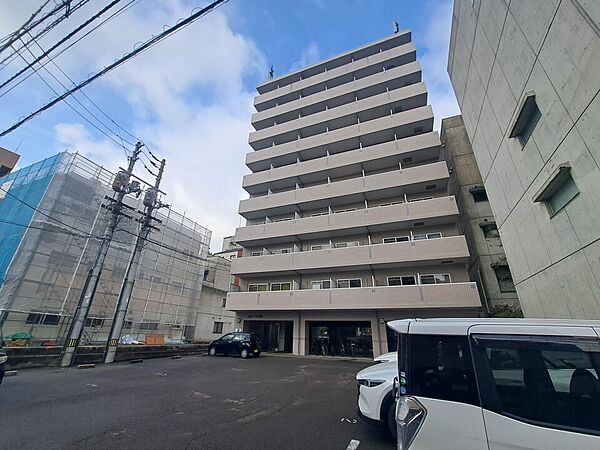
{"points": [[498, 384]]}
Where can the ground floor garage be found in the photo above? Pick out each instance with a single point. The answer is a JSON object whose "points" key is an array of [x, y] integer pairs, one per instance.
{"points": [[332, 333]]}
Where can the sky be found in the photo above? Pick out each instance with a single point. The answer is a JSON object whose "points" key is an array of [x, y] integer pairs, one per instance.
{"points": [[189, 98]]}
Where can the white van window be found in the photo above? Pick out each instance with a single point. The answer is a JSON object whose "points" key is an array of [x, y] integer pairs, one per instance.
{"points": [[440, 367], [548, 381]]}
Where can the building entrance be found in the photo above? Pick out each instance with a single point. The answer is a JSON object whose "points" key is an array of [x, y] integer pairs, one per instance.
{"points": [[275, 335], [340, 338]]}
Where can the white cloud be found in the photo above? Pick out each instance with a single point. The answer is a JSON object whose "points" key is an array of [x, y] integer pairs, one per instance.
{"points": [[310, 55], [434, 59], [186, 95]]}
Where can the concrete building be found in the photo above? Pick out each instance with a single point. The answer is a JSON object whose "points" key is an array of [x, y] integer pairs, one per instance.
{"points": [[488, 265], [214, 319], [50, 217], [526, 75], [8, 161], [349, 223]]}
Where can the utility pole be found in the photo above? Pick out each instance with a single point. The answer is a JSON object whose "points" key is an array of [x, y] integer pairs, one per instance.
{"points": [[121, 186], [150, 203]]}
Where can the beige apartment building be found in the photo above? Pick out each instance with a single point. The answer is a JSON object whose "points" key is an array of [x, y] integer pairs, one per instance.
{"points": [[527, 76], [8, 161], [348, 222]]}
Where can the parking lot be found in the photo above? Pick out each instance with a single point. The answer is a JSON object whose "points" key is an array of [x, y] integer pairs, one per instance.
{"points": [[197, 402]]}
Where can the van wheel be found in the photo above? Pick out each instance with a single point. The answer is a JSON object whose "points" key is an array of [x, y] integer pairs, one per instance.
{"points": [[391, 421], [212, 351], [244, 353]]}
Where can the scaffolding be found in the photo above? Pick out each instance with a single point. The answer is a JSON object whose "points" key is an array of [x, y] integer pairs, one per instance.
{"points": [[51, 218]]}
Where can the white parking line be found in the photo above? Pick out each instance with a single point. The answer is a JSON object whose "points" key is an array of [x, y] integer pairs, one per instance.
{"points": [[353, 445]]}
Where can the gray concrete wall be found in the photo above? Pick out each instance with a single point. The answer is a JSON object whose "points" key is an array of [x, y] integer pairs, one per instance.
{"points": [[498, 52], [486, 252]]}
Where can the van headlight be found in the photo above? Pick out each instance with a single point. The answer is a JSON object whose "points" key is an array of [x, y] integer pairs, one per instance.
{"points": [[3, 359], [370, 383]]}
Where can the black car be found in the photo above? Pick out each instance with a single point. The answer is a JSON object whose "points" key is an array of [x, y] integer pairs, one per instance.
{"points": [[243, 344], [3, 359]]}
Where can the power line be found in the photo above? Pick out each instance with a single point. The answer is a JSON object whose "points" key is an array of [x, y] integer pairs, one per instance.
{"points": [[57, 44], [148, 44], [27, 22], [108, 19]]}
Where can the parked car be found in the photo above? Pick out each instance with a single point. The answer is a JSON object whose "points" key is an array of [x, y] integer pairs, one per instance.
{"points": [[3, 359], [498, 384], [243, 344], [386, 357], [376, 400]]}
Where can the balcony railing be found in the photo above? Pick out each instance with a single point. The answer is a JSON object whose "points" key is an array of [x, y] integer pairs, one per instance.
{"points": [[431, 296]]}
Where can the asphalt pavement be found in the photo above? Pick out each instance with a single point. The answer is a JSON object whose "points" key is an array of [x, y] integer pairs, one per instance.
{"points": [[197, 402]]}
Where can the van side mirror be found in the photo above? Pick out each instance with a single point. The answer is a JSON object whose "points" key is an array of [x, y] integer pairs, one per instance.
{"points": [[395, 389]]}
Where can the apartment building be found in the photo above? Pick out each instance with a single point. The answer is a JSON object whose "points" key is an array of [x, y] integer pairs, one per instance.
{"points": [[527, 75], [488, 265], [348, 222]]}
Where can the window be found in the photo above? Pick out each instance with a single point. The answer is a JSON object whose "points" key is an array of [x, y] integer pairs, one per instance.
{"points": [[282, 250], [206, 272], [346, 244], [549, 380], [350, 283], [440, 278], [418, 130], [326, 213], [224, 303], [430, 187], [34, 317], [420, 199], [528, 117], [344, 210], [51, 319], [286, 286], [504, 277], [441, 369], [317, 247], [217, 327], [324, 284], [406, 160], [95, 322], [405, 280], [256, 253], [390, 240], [479, 194], [490, 230], [285, 219], [559, 190], [434, 235], [419, 237], [127, 324], [258, 287], [227, 337]]}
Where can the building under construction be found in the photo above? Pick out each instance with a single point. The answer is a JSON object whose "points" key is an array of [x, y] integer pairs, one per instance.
{"points": [[52, 215]]}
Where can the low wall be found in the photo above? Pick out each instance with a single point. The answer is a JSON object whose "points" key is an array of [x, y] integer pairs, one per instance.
{"points": [[27, 357]]}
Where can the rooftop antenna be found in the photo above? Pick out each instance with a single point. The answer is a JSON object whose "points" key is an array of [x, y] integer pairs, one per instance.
{"points": [[271, 72], [396, 27]]}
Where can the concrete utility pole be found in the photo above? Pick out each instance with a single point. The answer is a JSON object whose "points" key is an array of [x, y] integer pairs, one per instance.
{"points": [[122, 186], [151, 203]]}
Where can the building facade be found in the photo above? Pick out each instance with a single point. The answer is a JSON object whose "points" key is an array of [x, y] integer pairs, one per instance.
{"points": [[348, 222], [8, 161], [51, 216], [488, 265], [526, 76]]}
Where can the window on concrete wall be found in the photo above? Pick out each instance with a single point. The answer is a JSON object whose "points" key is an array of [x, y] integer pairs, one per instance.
{"points": [[349, 283], [258, 287], [437, 278], [559, 190], [504, 277], [405, 280], [286, 286], [217, 327], [527, 118], [322, 284], [490, 230], [206, 272], [391, 240], [34, 318], [479, 194], [224, 303]]}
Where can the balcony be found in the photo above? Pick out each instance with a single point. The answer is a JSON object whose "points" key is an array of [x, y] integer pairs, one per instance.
{"points": [[381, 185], [377, 131], [371, 220], [420, 148], [359, 111], [361, 68], [365, 87], [429, 296], [414, 253]]}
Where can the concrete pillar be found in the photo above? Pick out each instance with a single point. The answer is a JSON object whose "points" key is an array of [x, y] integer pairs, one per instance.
{"points": [[296, 340], [376, 335]]}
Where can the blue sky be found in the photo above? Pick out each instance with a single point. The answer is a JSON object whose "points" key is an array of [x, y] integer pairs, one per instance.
{"points": [[190, 98]]}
